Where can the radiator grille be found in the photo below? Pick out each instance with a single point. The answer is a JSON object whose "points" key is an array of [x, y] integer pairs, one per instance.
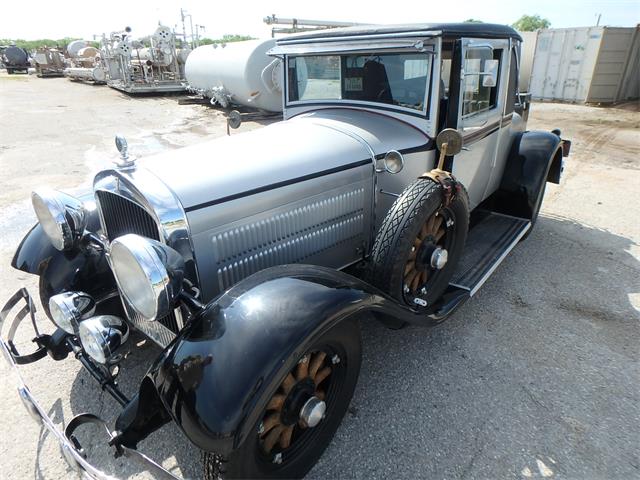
{"points": [[122, 216]]}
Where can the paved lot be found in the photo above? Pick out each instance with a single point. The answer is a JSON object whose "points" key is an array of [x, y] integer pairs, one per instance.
{"points": [[536, 377]]}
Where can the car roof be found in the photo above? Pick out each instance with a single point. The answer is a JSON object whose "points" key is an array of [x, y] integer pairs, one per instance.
{"points": [[467, 29]]}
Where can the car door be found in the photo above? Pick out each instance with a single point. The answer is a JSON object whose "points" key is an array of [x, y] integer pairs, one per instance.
{"points": [[480, 112]]}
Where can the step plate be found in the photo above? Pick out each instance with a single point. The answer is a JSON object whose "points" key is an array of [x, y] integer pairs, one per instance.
{"points": [[488, 243]]}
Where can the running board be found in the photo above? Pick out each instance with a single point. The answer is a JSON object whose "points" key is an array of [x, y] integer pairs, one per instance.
{"points": [[488, 243]]}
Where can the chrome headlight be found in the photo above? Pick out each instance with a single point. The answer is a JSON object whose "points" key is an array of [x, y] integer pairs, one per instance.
{"points": [[102, 335], [149, 274], [69, 308], [63, 217]]}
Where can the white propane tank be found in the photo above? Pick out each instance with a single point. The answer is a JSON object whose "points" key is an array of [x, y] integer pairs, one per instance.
{"points": [[241, 71]]}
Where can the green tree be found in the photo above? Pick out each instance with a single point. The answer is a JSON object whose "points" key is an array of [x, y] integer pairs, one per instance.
{"points": [[473, 20], [31, 45], [530, 23], [225, 39]]}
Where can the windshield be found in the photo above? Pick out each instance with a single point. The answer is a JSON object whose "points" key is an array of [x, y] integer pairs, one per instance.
{"points": [[392, 78]]}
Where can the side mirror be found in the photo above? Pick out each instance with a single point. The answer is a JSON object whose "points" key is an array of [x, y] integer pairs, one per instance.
{"points": [[450, 140]]}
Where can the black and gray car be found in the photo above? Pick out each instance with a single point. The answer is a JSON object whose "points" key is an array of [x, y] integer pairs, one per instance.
{"points": [[400, 177]]}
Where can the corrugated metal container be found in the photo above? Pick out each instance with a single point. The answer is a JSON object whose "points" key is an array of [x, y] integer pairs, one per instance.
{"points": [[590, 64]]}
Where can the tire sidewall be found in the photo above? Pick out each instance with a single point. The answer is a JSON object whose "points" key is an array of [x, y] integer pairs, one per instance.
{"points": [[388, 268], [248, 460]]}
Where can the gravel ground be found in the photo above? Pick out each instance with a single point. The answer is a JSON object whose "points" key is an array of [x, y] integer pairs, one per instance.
{"points": [[536, 377]]}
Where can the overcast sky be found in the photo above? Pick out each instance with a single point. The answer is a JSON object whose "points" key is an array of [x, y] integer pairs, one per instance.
{"points": [[31, 20]]}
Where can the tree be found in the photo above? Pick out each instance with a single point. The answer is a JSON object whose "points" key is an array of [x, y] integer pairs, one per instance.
{"points": [[473, 20], [530, 23], [32, 45], [225, 39]]}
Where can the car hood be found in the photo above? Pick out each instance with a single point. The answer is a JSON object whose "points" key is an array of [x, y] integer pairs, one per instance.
{"points": [[295, 149]]}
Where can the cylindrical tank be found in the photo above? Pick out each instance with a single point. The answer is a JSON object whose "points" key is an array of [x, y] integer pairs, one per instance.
{"points": [[86, 56], [74, 47], [183, 54], [242, 70], [160, 57], [15, 56], [96, 74]]}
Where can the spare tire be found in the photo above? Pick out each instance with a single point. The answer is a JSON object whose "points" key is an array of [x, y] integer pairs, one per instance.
{"points": [[419, 243]]}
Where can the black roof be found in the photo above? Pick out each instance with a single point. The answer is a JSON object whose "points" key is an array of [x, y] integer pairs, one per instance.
{"points": [[467, 29]]}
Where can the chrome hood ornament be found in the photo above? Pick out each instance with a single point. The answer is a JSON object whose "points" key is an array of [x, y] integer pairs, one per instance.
{"points": [[123, 147]]}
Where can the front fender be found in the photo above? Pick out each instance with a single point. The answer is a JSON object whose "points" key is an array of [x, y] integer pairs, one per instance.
{"points": [[217, 376], [83, 268]]}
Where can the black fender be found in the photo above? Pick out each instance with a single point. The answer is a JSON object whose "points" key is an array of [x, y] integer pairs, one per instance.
{"points": [[528, 167], [83, 268], [216, 377]]}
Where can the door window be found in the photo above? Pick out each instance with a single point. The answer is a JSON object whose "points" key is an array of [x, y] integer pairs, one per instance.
{"points": [[481, 80]]}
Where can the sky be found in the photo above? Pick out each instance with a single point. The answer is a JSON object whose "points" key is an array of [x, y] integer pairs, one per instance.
{"points": [[30, 20]]}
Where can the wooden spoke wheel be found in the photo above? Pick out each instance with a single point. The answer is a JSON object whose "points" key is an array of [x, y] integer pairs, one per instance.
{"points": [[419, 244], [285, 415], [298, 420], [428, 253]]}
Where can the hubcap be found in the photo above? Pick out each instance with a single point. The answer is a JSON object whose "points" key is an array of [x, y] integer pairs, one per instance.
{"points": [[313, 411], [439, 258], [298, 404]]}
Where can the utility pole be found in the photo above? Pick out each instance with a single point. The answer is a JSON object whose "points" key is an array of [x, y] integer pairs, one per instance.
{"points": [[184, 30], [598, 22]]}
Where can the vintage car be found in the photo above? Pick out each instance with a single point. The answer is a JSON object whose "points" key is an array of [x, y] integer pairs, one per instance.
{"points": [[399, 179]]}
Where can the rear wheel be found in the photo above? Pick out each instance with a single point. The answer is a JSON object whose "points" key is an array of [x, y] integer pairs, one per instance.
{"points": [[303, 413]]}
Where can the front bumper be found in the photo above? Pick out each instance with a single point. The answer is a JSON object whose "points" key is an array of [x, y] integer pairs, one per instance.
{"points": [[71, 450]]}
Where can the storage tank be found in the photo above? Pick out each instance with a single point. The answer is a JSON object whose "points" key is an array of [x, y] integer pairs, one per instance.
{"points": [[74, 47], [237, 73], [15, 59], [96, 74], [15, 56], [87, 56], [160, 57]]}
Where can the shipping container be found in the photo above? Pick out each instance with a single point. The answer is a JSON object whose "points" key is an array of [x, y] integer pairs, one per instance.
{"points": [[586, 65]]}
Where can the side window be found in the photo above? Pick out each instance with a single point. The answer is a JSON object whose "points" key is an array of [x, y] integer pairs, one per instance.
{"points": [[480, 85]]}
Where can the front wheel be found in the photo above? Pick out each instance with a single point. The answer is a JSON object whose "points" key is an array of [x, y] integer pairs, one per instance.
{"points": [[303, 413]]}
